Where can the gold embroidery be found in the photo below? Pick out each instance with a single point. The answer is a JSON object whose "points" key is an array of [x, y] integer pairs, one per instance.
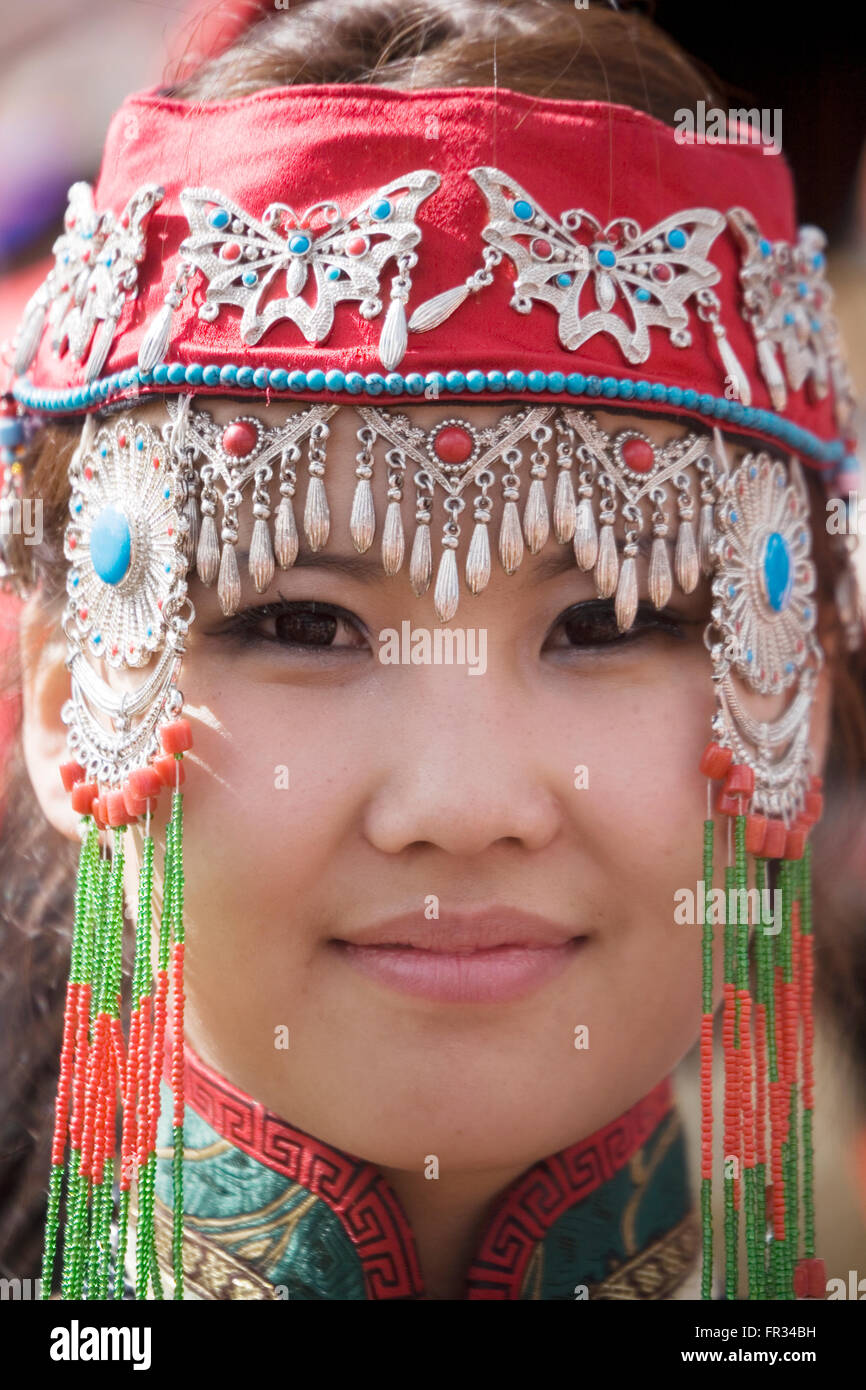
{"points": [[219, 1146], [659, 1269], [641, 1172], [209, 1271], [533, 1279]]}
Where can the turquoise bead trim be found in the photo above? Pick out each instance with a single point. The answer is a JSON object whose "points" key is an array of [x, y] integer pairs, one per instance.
{"points": [[826, 454]]}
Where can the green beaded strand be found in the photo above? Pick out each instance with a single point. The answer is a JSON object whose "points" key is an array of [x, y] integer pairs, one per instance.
{"points": [[122, 1230], [110, 1006], [79, 1185], [177, 1160], [84, 872], [769, 948], [745, 1045], [808, 1150], [140, 972], [147, 1271], [784, 1288], [760, 1182], [707, 1009], [791, 1175], [52, 1222], [143, 1243], [731, 1219], [93, 1222]]}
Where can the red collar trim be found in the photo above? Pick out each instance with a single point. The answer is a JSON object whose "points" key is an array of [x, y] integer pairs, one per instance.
{"points": [[371, 1213]]}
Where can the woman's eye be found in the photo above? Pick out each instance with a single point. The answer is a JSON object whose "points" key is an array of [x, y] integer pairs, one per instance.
{"points": [[593, 624], [306, 626]]}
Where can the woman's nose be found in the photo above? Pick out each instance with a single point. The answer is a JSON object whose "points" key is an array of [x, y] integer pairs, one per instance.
{"points": [[466, 767]]}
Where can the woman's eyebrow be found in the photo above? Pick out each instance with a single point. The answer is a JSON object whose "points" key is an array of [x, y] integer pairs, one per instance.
{"points": [[368, 567], [551, 566]]}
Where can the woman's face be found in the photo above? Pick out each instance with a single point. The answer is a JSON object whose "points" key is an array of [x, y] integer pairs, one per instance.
{"points": [[547, 807]]}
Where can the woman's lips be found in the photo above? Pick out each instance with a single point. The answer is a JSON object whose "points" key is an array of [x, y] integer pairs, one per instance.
{"points": [[463, 958]]}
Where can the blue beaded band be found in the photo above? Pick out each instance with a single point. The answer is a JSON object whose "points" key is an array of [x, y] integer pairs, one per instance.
{"points": [[826, 454]]}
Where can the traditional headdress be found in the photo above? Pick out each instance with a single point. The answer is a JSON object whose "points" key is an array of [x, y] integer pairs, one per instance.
{"points": [[354, 248]]}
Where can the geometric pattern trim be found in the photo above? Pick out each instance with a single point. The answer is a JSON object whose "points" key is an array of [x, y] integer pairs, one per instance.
{"points": [[535, 1201], [356, 1191]]}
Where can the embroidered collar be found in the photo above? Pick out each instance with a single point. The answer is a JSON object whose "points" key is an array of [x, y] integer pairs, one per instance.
{"points": [[273, 1212]]}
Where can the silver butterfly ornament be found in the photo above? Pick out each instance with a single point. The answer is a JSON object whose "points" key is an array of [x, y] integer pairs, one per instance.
{"points": [[242, 258]]}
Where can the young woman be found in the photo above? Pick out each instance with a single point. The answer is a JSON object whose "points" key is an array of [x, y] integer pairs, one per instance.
{"points": [[443, 904]]}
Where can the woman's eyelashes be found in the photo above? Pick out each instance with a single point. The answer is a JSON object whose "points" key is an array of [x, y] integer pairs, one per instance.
{"points": [[312, 627], [307, 626], [592, 625]]}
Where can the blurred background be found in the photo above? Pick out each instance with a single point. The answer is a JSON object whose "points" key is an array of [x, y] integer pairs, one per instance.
{"points": [[67, 65]]}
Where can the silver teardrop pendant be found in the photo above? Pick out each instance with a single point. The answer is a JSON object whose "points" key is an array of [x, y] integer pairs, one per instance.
{"points": [[607, 564], [478, 559], [446, 595], [394, 336], [191, 513], [286, 534], [436, 310], [772, 374], [362, 523], [585, 535], [393, 542], [564, 507], [510, 538], [421, 561], [536, 521], [734, 369], [30, 337], [229, 586], [686, 565], [317, 518], [207, 555], [660, 578], [261, 561], [625, 605], [706, 537], [102, 340], [154, 344]]}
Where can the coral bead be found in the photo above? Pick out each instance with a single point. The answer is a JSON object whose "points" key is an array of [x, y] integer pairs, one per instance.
{"points": [[756, 829], [795, 843], [740, 781], [177, 736], [453, 444], [138, 805], [70, 773], [810, 1279], [168, 768], [115, 808], [715, 761], [144, 782], [774, 840], [82, 797], [98, 811], [638, 455], [729, 805], [814, 807], [239, 438]]}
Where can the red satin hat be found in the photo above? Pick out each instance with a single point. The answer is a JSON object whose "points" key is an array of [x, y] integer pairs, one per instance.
{"points": [[618, 242]]}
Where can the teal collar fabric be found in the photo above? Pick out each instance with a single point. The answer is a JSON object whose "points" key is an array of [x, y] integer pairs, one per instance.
{"points": [[273, 1212]]}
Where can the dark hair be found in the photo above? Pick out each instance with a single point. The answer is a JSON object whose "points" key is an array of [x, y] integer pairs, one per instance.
{"points": [[541, 47]]}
